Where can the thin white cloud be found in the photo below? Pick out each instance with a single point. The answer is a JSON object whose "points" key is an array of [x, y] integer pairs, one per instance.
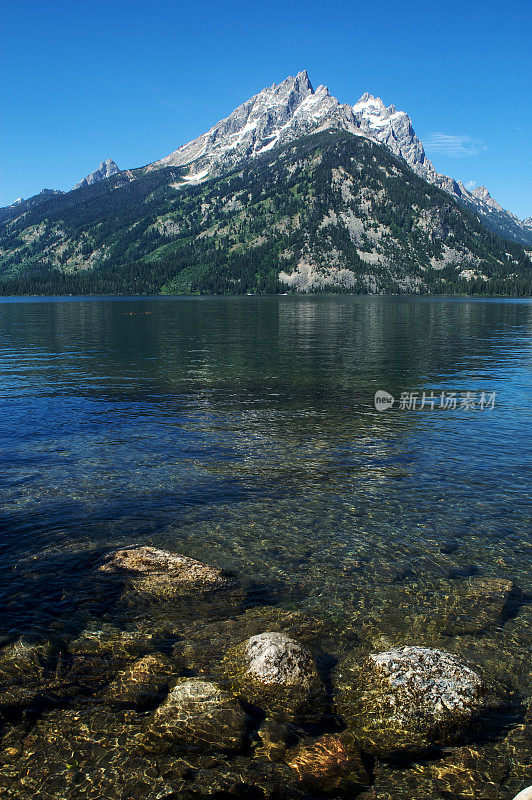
{"points": [[470, 185], [455, 146]]}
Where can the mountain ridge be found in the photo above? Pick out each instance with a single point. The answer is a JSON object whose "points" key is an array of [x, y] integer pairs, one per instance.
{"points": [[328, 211], [248, 131], [395, 130], [293, 108]]}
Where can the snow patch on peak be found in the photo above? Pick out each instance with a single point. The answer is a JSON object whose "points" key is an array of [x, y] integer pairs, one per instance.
{"points": [[276, 115], [393, 129]]}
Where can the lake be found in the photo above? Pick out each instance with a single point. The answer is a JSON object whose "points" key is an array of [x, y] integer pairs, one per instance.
{"points": [[242, 431]]}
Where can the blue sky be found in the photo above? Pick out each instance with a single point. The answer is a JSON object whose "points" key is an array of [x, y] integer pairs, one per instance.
{"points": [[133, 80]]}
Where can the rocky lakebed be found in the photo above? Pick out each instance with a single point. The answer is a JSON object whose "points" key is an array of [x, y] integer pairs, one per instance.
{"points": [[178, 679]]}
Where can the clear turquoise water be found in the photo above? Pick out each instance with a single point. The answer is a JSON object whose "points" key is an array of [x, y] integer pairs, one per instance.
{"points": [[242, 431]]}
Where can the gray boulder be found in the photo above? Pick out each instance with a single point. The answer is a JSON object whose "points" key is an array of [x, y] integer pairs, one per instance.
{"points": [[408, 699], [276, 673]]}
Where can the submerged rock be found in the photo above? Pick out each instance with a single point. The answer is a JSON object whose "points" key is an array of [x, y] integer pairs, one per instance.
{"points": [[276, 673], [241, 778], [85, 672], [24, 659], [89, 752], [329, 763], [142, 681], [516, 746], [198, 648], [273, 738], [108, 640], [201, 714], [161, 574], [464, 773], [478, 604], [409, 698]]}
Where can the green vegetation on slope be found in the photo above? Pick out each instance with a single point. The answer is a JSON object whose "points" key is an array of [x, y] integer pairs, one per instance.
{"points": [[330, 212]]}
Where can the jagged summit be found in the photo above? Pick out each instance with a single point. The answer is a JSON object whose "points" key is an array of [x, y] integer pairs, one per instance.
{"points": [[393, 129], [276, 115], [105, 170], [291, 109], [300, 82], [482, 194]]}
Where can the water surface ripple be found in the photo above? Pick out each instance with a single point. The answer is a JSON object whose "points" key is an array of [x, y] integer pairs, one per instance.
{"points": [[242, 432]]}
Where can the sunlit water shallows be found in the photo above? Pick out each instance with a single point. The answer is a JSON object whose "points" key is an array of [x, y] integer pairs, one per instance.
{"points": [[242, 432]]}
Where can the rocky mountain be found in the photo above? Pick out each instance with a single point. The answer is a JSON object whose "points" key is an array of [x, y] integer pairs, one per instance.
{"points": [[394, 129], [106, 169], [328, 211], [275, 116], [294, 190], [19, 207], [291, 109]]}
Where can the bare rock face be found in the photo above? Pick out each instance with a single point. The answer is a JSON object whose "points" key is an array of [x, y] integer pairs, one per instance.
{"points": [[329, 763], [202, 715], [408, 699], [393, 129], [159, 573], [275, 116], [276, 673], [106, 169], [141, 682]]}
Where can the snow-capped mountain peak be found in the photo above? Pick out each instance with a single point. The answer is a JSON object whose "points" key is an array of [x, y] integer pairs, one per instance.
{"points": [[373, 110], [276, 115], [105, 170], [291, 109], [394, 129]]}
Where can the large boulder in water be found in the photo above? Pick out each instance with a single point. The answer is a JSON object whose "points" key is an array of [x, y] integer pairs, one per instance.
{"points": [[200, 714], [408, 699], [160, 574], [276, 673]]}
